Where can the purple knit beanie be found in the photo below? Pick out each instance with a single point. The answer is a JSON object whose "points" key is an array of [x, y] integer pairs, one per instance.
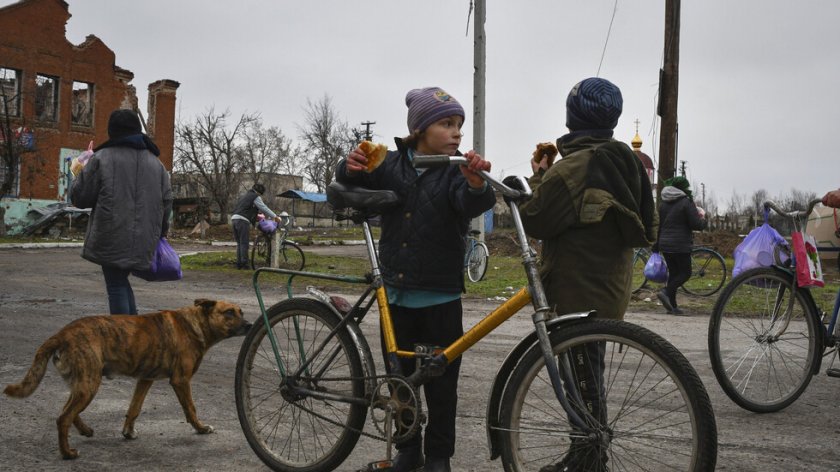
{"points": [[427, 105]]}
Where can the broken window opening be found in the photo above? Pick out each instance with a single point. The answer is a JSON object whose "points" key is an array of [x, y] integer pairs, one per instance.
{"points": [[46, 98], [82, 108], [9, 92], [14, 191]]}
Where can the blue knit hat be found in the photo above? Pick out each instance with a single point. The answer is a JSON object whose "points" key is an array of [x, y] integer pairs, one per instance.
{"points": [[427, 105], [593, 103]]}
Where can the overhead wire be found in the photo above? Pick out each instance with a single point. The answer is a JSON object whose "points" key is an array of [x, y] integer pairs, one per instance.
{"points": [[607, 40]]}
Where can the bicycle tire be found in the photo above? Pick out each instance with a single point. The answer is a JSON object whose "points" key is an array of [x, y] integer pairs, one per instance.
{"points": [[477, 262], [261, 252], [658, 412], [280, 430], [640, 259], [747, 346], [708, 272], [290, 256]]}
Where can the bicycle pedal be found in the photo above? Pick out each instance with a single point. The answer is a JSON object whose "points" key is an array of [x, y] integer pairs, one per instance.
{"points": [[379, 466], [833, 372]]}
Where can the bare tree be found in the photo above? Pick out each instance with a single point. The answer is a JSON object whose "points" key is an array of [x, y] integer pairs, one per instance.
{"points": [[13, 145], [326, 140], [210, 148], [265, 150]]}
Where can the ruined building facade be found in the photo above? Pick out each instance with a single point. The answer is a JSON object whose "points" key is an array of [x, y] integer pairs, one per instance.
{"points": [[59, 96]]}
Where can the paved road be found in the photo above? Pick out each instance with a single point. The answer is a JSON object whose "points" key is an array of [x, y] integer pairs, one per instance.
{"points": [[43, 289]]}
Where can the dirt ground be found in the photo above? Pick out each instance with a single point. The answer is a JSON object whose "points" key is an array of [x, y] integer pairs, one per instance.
{"points": [[44, 289]]}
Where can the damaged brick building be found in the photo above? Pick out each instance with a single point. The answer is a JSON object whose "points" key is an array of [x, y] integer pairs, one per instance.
{"points": [[59, 97]]}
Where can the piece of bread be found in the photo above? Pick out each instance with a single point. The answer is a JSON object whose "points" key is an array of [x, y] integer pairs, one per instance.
{"points": [[545, 149], [375, 154]]}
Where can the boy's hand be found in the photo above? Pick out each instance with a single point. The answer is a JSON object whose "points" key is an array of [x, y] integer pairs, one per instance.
{"points": [[832, 199], [356, 161], [475, 163]]}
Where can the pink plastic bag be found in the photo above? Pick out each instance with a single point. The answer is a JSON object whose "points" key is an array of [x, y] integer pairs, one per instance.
{"points": [[808, 268]]}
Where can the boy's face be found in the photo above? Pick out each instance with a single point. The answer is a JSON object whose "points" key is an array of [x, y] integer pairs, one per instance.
{"points": [[442, 136]]}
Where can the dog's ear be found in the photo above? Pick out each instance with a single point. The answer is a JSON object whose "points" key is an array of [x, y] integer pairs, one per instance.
{"points": [[205, 304]]}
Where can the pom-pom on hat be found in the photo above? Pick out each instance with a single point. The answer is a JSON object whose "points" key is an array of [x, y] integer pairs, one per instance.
{"points": [[593, 103], [123, 123], [427, 105]]}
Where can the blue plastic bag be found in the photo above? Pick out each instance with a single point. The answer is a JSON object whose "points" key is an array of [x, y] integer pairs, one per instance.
{"points": [[760, 249], [656, 270], [165, 265], [267, 226]]}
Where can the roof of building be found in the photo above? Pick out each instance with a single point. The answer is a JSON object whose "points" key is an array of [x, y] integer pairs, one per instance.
{"points": [[310, 196]]}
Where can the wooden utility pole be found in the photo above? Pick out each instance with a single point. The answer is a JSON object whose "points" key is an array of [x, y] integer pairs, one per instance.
{"points": [[367, 125], [668, 87], [479, 75]]}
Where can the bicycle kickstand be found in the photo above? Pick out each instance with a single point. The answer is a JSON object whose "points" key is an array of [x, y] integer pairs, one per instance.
{"points": [[834, 371]]}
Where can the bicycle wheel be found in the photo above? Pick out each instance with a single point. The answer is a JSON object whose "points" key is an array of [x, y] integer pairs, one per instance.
{"points": [[291, 432], [658, 415], [477, 262], [708, 272], [763, 342], [290, 256], [261, 252], [640, 258]]}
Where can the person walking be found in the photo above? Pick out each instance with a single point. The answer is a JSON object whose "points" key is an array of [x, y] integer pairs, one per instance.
{"points": [[128, 191], [244, 217], [678, 218], [421, 250], [590, 209]]}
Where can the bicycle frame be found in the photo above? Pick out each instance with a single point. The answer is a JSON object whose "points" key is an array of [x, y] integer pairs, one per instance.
{"points": [[437, 362]]}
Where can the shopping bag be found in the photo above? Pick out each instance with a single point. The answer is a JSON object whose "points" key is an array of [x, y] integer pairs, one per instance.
{"points": [[165, 265], [763, 247], [79, 161], [267, 226], [656, 270], [808, 268]]}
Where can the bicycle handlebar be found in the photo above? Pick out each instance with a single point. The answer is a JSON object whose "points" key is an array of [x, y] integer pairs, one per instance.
{"points": [[769, 204], [438, 160]]}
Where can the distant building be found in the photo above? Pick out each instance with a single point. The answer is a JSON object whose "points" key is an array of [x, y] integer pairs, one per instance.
{"points": [[60, 96]]}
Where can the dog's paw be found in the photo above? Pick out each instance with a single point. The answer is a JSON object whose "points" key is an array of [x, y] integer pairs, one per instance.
{"points": [[129, 433], [86, 431], [207, 429], [70, 454]]}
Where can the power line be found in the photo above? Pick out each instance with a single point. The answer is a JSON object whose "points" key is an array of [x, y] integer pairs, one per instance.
{"points": [[604, 52]]}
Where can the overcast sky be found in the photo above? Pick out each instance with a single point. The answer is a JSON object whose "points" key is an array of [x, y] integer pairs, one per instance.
{"points": [[759, 100]]}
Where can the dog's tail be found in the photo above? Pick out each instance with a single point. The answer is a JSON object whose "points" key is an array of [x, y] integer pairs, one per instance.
{"points": [[36, 372]]}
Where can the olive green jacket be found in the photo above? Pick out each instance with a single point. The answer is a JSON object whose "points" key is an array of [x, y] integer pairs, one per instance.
{"points": [[590, 209]]}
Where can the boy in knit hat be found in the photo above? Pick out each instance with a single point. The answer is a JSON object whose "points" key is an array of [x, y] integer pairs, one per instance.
{"points": [[591, 208], [421, 252]]}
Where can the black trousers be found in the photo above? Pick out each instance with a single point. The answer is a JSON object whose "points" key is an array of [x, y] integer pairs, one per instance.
{"points": [[242, 236], [679, 271], [437, 325]]}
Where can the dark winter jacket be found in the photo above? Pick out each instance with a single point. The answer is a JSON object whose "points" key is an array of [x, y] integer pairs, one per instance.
{"points": [[423, 239], [591, 208], [678, 216], [129, 192]]}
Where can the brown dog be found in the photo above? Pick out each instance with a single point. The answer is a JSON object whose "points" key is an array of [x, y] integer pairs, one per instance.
{"points": [[165, 344]]}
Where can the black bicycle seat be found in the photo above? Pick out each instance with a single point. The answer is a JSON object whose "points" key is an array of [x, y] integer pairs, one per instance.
{"points": [[361, 199]]}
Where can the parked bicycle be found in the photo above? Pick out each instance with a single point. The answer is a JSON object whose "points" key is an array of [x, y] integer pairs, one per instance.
{"points": [[289, 255], [766, 334], [708, 271], [476, 258], [306, 378]]}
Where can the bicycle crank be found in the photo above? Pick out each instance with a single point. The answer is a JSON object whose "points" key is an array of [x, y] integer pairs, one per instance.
{"points": [[396, 409]]}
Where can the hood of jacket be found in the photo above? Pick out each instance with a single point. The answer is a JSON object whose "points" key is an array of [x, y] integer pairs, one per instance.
{"points": [[670, 194]]}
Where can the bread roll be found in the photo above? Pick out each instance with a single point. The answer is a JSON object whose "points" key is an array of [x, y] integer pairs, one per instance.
{"points": [[545, 149], [375, 154]]}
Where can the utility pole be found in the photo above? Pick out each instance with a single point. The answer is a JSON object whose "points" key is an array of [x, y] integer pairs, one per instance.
{"points": [[703, 194], [682, 168], [479, 75], [668, 88], [367, 125]]}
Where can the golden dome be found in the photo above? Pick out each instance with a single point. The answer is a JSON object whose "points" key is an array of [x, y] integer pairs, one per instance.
{"points": [[636, 142]]}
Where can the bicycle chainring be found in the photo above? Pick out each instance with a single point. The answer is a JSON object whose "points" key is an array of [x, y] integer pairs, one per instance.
{"points": [[394, 393]]}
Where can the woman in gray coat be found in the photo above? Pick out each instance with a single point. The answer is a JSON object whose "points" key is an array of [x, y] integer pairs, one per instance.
{"points": [[678, 217], [128, 190]]}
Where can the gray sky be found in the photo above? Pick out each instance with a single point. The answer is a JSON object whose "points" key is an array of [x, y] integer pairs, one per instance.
{"points": [[758, 94]]}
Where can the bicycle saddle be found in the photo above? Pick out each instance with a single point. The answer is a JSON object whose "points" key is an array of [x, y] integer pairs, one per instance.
{"points": [[359, 198]]}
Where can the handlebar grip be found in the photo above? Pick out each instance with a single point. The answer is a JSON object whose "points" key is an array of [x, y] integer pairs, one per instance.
{"points": [[422, 162]]}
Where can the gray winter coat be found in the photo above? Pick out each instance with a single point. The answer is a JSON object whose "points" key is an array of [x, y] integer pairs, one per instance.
{"points": [[131, 198], [678, 217]]}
